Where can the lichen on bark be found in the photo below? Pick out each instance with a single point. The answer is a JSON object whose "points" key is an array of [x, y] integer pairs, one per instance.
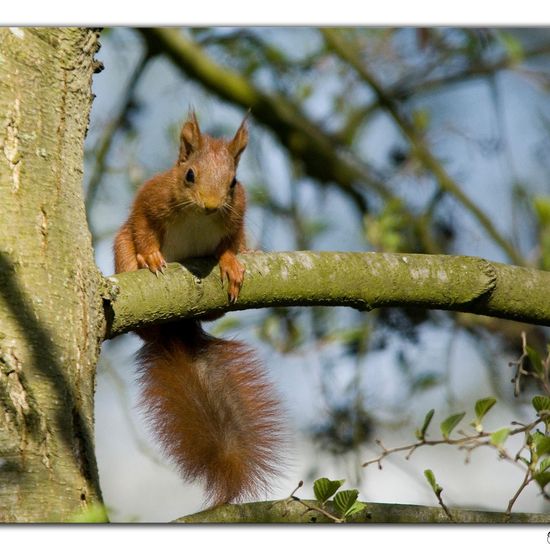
{"points": [[50, 309]]}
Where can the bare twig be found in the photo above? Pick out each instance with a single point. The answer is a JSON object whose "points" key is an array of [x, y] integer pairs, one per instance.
{"points": [[442, 504], [543, 377], [519, 366], [104, 145], [300, 484], [526, 480], [473, 71], [126, 407]]}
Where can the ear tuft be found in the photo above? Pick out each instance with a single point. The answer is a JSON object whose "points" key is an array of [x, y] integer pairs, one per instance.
{"points": [[239, 142], [190, 137]]}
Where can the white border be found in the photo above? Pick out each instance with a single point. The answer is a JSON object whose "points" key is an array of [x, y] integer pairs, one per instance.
{"points": [[279, 12], [320, 537]]}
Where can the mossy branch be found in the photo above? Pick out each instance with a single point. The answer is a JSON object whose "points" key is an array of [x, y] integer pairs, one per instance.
{"points": [[290, 511], [361, 280]]}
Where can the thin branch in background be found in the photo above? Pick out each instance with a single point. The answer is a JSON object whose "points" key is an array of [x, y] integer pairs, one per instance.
{"points": [[357, 117], [103, 147], [478, 70], [540, 368], [526, 480], [519, 366], [126, 407], [506, 158], [437, 493], [348, 54]]}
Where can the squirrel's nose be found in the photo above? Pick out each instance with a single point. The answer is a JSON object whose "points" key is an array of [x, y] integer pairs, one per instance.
{"points": [[211, 204], [210, 209]]}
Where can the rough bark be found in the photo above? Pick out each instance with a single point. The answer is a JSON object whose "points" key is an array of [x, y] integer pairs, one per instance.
{"points": [[50, 289]]}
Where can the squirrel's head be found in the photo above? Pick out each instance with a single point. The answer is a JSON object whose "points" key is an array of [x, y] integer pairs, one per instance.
{"points": [[208, 165]]}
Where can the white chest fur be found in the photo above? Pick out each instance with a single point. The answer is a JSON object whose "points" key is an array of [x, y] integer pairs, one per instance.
{"points": [[192, 235]]}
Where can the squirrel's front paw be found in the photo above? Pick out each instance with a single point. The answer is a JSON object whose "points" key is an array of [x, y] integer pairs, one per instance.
{"points": [[232, 270], [154, 262]]}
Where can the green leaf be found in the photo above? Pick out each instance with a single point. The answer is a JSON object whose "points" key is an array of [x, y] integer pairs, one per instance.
{"points": [[421, 119], [429, 475], [304, 91], [535, 359], [344, 501], [450, 423], [421, 434], [483, 406], [512, 45], [425, 381], [541, 205], [542, 478], [499, 437], [541, 403], [385, 230], [324, 488], [356, 508], [314, 227], [543, 446], [541, 442], [544, 465]]}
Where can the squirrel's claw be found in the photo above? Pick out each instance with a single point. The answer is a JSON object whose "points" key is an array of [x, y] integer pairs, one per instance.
{"points": [[154, 262], [232, 270]]}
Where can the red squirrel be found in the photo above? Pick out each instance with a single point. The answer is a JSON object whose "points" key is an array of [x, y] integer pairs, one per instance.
{"points": [[207, 399]]}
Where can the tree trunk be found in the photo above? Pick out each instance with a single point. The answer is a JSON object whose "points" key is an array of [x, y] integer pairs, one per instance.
{"points": [[51, 316]]}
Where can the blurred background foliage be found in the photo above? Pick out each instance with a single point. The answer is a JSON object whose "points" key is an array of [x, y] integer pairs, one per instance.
{"points": [[426, 140]]}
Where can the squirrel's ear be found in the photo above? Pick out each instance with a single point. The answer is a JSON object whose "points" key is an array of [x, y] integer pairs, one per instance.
{"points": [[190, 137], [239, 142]]}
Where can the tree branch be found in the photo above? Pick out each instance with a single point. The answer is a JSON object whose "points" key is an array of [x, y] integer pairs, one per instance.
{"points": [[479, 69], [361, 280], [308, 142], [103, 147], [348, 54], [290, 511]]}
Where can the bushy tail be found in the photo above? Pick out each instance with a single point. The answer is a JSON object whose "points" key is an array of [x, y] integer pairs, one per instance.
{"points": [[212, 409]]}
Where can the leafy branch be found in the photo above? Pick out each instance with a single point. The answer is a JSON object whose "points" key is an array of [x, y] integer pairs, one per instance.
{"points": [[344, 502], [437, 489], [536, 443]]}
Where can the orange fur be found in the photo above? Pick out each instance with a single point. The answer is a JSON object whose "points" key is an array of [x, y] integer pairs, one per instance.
{"points": [[207, 399], [213, 410]]}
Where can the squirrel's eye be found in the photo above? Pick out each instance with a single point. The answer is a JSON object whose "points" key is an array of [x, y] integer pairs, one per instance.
{"points": [[190, 176], [233, 182]]}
